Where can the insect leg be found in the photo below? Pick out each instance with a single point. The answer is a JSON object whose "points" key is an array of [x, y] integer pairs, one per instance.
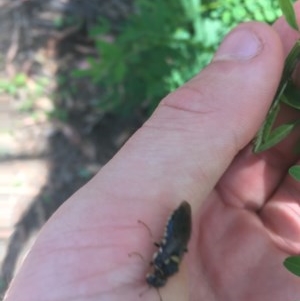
{"points": [[137, 254], [149, 230]]}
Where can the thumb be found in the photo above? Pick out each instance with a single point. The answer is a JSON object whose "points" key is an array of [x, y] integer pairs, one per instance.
{"points": [[197, 130]]}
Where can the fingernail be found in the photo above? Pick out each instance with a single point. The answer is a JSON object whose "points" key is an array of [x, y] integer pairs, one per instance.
{"points": [[241, 44]]}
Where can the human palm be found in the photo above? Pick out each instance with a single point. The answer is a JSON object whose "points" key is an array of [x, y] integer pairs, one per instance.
{"points": [[244, 238]]}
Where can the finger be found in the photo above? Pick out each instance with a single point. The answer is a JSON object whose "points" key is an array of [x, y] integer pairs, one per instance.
{"points": [[281, 213], [196, 131], [281, 216], [287, 35], [252, 179]]}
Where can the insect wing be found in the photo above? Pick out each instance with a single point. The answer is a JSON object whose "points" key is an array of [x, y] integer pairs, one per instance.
{"points": [[171, 249], [174, 244], [178, 230]]}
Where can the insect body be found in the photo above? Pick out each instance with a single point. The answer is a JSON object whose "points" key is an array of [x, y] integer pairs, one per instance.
{"points": [[172, 247]]}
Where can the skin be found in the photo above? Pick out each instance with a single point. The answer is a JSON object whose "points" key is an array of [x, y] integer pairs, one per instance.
{"points": [[195, 147]]}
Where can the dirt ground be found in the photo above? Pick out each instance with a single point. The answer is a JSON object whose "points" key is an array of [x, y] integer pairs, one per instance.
{"points": [[43, 159]]}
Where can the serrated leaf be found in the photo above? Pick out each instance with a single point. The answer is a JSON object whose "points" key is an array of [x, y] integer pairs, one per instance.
{"points": [[289, 13], [276, 136], [294, 171], [292, 263]]}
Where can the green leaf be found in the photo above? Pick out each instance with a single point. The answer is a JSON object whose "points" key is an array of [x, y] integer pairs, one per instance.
{"points": [[263, 134], [266, 128], [291, 96], [294, 171], [276, 136], [289, 13], [292, 263], [296, 148], [291, 62]]}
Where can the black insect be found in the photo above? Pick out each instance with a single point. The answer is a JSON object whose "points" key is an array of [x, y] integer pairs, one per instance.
{"points": [[172, 247]]}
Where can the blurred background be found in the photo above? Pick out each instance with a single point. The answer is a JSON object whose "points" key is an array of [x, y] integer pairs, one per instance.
{"points": [[77, 78]]}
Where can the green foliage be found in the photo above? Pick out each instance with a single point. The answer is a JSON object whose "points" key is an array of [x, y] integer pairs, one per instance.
{"points": [[294, 171], [292, 263], [11, 86], [289, 13], [277, 135], [235, 11], [291, 96], [267, 136], [25, 89], [161, 46]]}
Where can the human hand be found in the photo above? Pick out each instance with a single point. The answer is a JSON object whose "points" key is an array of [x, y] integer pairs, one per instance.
{"points": [[195, 147]]}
